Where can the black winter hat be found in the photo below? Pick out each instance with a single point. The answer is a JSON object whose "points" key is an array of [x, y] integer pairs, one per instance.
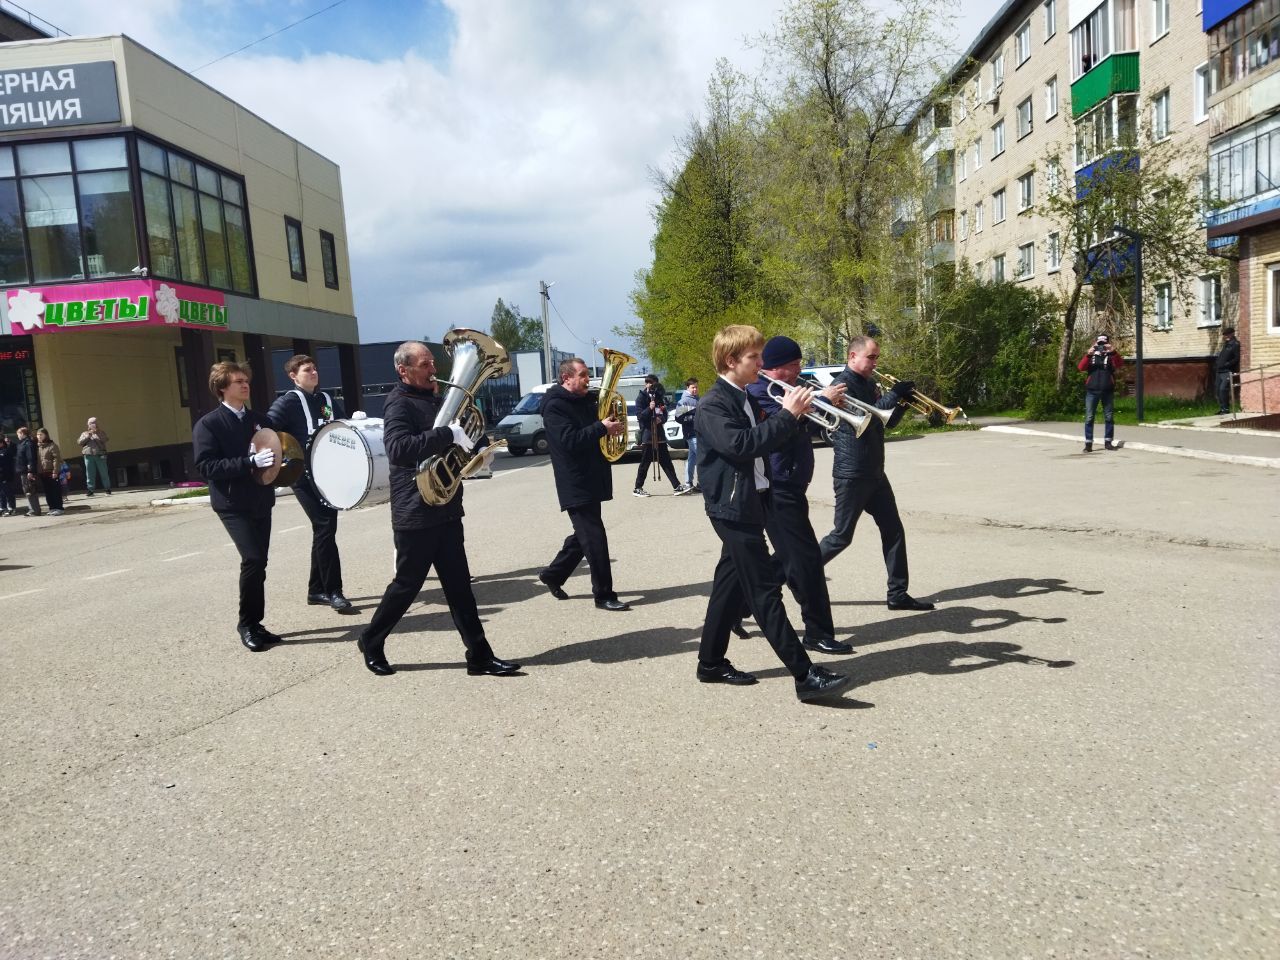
{"points": [[779, 351]]}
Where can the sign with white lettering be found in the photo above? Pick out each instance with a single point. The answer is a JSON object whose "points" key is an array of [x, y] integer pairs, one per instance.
{"points": [[33, 98], [118, 303]]}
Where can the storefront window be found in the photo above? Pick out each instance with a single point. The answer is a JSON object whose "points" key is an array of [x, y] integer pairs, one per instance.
{"points": [[13, 254], [187, 218], [215, 247], [19, 400], [53, 229], [106, 212]]}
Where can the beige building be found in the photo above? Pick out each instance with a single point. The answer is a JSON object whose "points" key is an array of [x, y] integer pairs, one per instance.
{"points": [[150, 226], [1069, 78]]}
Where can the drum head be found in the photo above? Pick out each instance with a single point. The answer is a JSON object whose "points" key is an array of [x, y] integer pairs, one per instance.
{"points": [[341, 465], [263, 439]]}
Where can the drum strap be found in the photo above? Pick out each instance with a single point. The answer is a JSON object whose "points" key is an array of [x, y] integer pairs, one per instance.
{"points": [[306, 410]]}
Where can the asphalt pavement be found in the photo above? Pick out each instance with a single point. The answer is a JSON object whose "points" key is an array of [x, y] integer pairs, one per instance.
{"points": [[1072, 756]]}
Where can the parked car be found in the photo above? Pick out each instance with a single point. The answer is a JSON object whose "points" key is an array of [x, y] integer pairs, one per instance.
{"points": [[522, 427]]}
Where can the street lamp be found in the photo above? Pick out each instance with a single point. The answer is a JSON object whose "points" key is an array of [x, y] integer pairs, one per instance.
{"points": [[1137, 307], [595, 342]]}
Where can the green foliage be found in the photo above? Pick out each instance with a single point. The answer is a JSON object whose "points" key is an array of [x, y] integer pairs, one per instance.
{"points": [[514, 330]]}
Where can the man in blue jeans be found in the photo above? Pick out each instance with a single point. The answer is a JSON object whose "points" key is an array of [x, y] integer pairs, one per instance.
{"points": [[684, 413], [1101, 364]]}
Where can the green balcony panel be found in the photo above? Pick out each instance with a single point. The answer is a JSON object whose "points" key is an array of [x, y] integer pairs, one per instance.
{"points": [[1116, 74]]}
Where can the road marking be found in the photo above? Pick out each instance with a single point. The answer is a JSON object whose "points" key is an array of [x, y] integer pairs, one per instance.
{"points": [[182, 556], [22, 594], [99, 576], [301, 526]]}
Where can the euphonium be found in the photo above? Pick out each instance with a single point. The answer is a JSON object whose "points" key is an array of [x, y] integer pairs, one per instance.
{"points": [[476, 358], [613, 404]]}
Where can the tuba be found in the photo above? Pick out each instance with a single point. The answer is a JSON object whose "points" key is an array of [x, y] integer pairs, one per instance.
{"points": [[612, 403], [476, 358]]}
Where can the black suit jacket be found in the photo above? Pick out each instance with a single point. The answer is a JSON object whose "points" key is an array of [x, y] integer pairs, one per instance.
{"points": [[862, 457], [220, 443], [410, 438], [583, 475]]}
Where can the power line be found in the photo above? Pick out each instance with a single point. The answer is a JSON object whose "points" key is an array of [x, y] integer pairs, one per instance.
{"points": [[270, 35], [566, 325]]}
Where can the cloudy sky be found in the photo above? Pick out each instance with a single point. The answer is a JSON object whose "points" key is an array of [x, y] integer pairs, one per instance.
{"points": [[484, 144]]}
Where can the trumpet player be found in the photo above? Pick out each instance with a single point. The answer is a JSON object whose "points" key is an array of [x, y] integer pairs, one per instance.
{"points": [[584, 480], [794, 542], [425, 535], [859, 478]]}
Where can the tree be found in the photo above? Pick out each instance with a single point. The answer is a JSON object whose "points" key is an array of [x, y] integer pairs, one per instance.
{"points": [[513, 330]]}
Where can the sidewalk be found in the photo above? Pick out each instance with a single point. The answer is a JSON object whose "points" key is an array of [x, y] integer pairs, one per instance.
{"points": [[1199, 439], [78, 504]]}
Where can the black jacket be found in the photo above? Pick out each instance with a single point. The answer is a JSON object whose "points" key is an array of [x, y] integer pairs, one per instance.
{"points": [[862, 457], [649, 420], [8, 462], [583, 475], [287, 413], [1229, 357], [220, 445], [728, 446], [792, 465], [409, 438], [27, 457]]}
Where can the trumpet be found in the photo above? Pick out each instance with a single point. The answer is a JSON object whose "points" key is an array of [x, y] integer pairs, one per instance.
{"points": [[918, 402], [824, 413]]}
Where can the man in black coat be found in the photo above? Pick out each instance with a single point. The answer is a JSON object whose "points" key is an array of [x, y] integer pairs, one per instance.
{"points": [[584, 480], [301, 412], [789, 529], [736, 487], [26, 469], [1228, 369], [859, 477], [7, 463], [424, 535], [222, 445]]}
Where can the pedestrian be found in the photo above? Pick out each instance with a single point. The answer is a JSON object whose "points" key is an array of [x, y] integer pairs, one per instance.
{"points": [[684, 415], [50, 471], [584, 480], [651, 414], [861, 484], [1101, 364], [8, 468], [93, 447], [1228, 370], [27, 469]]}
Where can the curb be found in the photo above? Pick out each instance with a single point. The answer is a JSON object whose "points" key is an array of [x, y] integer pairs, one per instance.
{"points": [[1272, 462], [178, 502]]}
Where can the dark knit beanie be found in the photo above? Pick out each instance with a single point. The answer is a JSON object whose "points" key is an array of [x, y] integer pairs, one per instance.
{"points": [[778, 352]]}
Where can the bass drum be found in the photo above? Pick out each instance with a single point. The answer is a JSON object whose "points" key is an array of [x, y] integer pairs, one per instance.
{"points": [[348, 464]]}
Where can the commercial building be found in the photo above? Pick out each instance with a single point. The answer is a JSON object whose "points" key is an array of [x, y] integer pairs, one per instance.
{"points": [[150, 226]]}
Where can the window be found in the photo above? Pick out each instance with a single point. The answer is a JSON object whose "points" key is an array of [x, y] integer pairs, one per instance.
{"points": [[1051, 98], [1024, 118], [1050, 18], [196, 220], [997, 206], [962, 164], [977, 155], [1159, 19], [1248, 165], [1160, 115], [997, 269], [962, 106], [964, 224], [997, 139], [1053, 176], [1210, 301], [979, 270], [1112, 124], [977, 217], [1022, 43], [1026, 260], [1164, 306], [329, 259], [293, 240], [1243, 43], [1200, 93], [1053, 254], [1109, 29], [1026, 191], [997, 72], [1273, 299]]}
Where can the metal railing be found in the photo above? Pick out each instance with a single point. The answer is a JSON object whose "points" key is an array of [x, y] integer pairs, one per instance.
{"points": [[1238, 383], [36, 23]]}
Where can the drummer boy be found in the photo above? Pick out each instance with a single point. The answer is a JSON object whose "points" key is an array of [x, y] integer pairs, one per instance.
{"points": [[231, 460]]}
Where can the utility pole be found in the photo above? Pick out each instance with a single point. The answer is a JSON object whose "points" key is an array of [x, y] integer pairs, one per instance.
{"points": [[545, 290], [595, 342], [1137, 310]]}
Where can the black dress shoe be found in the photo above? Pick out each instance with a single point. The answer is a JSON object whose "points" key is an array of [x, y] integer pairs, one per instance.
{"points": [[828, 646], [251, 640], [556, 592], [341, 603], [909, 603], [318, 599], [491, 666], [726, 673], [263, 635], [821, 682], [376, 665], [739, 630], [612, 605]]}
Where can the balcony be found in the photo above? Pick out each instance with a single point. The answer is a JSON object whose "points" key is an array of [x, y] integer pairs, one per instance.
{"points": [[940, 197], [1118, 73], [942, 138]]}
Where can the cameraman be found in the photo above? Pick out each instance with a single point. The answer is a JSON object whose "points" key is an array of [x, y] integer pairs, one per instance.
{"points": [[651, 414], [1101, 364]]}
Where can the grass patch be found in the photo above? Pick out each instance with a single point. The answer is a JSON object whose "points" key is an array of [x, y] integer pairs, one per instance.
{"points": [[190, 492], [1126, 412]]}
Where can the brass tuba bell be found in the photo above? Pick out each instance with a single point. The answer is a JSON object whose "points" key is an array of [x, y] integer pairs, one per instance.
{"points": [[613, 404]]}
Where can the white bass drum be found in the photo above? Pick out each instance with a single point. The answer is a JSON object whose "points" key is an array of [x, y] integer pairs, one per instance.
{"points": [[348, 464]]}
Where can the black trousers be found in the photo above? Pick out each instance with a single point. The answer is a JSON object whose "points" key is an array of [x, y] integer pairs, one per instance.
{"points": [[745, 574], [252, 537], [587, 540], [1226, 389], [796, 548], [416, 552], [326, 565], [663, 456], [52, 487], [876, 498]]}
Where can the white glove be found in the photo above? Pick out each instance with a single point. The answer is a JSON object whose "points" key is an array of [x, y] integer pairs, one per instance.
{"points": [[263, 458], [460, 437]]}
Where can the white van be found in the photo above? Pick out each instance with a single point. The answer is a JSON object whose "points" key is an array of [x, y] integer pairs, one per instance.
{"points": [[523, 430]]}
